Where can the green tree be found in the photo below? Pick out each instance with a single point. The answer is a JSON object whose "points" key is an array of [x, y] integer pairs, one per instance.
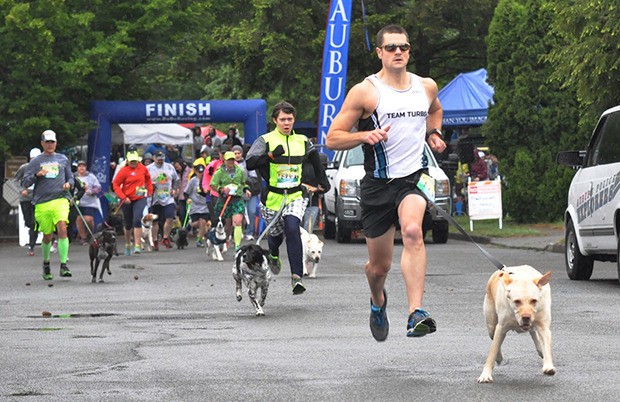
{"points": [[58, 55], [532, 118], [444, 42], [269, 49], [588, 56]]}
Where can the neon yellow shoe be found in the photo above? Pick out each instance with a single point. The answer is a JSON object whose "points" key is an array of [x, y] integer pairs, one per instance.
{"points": [[47, 273]]}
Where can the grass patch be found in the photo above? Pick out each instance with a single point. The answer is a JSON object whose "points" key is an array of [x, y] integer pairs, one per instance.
{"points": [[490, 228]]}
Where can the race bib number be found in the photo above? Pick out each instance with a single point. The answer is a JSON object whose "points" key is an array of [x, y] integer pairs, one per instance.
{"points": [[288, 176], [426, 184], [233, 189], [162, 193], [52, 168], [141, 191]]}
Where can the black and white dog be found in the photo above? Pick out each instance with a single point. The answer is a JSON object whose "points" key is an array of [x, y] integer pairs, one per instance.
{"points": [[251, 266], [102, 248], [216, 241]]}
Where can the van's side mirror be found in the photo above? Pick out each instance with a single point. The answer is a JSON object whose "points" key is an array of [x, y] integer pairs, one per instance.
{"points": [[574, 159]]}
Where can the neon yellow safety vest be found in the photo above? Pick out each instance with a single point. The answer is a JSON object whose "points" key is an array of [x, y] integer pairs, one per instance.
{"points": [[285, 170]]}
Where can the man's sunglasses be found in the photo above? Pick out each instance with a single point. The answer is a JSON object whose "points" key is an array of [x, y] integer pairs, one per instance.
{"points": [[391, 47]]}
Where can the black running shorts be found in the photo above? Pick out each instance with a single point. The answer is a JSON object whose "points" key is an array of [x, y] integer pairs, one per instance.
{"points": [[380, 199]]}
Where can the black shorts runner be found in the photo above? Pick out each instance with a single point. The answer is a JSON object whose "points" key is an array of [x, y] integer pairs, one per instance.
{"points": [[380, 199]]}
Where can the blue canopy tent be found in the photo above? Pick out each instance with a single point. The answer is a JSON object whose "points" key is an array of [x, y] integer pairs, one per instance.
{"points": [[465, 100]]}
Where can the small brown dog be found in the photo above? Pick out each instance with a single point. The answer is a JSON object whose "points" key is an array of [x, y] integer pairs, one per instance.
{"points": [[518, 299]]}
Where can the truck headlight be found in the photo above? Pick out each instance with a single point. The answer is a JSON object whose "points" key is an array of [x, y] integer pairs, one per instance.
{"points": [[442, 188], [348, 188]]}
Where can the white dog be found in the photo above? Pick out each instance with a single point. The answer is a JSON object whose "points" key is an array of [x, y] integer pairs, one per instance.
{"points": [[312, 250], [147, 231], [518, 299], [216, 242]]}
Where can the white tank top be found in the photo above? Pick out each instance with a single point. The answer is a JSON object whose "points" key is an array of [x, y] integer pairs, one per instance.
{"points": [[406, 112]]}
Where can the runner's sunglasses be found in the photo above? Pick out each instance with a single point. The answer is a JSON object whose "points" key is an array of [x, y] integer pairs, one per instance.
{"points": [[391, 47]]}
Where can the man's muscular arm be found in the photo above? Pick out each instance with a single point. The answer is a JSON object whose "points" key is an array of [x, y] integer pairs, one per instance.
{"points": [[360, 102]]}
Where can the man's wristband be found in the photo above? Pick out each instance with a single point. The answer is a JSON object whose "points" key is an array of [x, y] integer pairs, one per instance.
{"points": [[434, 131]]}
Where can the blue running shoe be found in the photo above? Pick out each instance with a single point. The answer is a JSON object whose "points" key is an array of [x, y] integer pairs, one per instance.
{"points": [[379, 324], [420, 323]]}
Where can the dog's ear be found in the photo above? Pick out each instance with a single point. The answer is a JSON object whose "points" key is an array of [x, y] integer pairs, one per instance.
{"points": [[543, 280], [505, 278]]}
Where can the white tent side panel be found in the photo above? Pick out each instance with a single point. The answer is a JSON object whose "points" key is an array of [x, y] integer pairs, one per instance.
{"points": [[156, 134]]}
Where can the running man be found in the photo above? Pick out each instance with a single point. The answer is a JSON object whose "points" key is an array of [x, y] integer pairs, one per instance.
{"points": [[52, 178], [396, 112]]}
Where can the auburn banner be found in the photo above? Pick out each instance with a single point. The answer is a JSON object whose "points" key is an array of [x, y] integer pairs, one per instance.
{"points": [[335, 57]]}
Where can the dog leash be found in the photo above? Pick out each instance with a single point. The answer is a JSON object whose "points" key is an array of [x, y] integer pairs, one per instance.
{"points": [[274, 219], [308, 196], [454, 223], [76, 203], [118, 208], [224, 207], [187, 215], [500, 266]]}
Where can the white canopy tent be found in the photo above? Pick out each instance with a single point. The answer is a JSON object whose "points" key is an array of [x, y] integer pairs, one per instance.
{"points": [[164, 133]]}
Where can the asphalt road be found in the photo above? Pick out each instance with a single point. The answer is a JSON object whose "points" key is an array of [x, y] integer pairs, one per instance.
{"points": [[166, 326]]}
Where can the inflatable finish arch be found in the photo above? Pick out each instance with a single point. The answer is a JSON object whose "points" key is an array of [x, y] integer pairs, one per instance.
{"points": [[252, 112]]}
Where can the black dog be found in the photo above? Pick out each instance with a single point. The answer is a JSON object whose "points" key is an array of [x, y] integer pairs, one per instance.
{"points": [[251, 266], [181, 238], [112, 222], [102, 248]]}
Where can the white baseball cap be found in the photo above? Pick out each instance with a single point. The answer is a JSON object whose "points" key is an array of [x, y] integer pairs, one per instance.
{"points": [[48, 135], [34, 152]]}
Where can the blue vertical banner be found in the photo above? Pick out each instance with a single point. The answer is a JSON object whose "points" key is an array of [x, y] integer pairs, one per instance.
{"points": [[335, 58]]}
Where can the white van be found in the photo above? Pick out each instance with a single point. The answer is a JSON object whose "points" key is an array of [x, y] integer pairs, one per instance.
{"points": [[592, 219]]}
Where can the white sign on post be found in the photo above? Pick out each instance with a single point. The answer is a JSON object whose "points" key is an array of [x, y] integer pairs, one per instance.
{"points": [[484, 199]]}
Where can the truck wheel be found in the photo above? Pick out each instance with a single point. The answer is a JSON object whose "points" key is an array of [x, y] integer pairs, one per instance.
{"points": [[440, 232], [578, 266], [343, 235], [329, 232]]}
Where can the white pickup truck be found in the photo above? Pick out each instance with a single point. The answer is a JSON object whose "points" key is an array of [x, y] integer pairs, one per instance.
{"points": [[592, 218], [342, 203]]}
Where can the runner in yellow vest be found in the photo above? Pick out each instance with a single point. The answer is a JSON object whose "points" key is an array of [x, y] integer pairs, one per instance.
{"points": [[279, 156]]}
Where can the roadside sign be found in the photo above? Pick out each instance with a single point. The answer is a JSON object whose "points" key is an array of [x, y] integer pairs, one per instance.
{"points": [[11, 165], [484, 199]]}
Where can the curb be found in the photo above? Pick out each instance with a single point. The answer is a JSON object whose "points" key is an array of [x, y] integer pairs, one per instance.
{"points": [[557, 247], [477, 239], [551, 247]]}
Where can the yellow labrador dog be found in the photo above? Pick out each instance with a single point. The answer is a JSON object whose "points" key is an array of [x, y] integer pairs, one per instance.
{"points": [[518, 299]]}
